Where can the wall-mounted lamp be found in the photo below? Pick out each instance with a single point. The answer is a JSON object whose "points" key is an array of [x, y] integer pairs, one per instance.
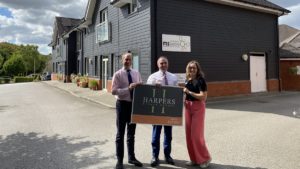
{"points": [[245, 57], [91, 61]]}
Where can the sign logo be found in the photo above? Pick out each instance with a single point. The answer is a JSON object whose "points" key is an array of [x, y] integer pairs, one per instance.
{"points": [[176, 43]]}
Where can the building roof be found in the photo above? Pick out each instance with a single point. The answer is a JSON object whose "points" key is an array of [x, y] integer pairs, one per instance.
{"points": [[255, 5], [289, 42], [289, 51], [65, 24], [287, 32], [61, 26], [265, 3]]}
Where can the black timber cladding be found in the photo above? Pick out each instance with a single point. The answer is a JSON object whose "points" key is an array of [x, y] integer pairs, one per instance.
{"points": [[128, 33], [220, 34]]}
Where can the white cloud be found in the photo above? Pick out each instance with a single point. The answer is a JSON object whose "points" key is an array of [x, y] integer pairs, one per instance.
{"points": [[32, 20], [292, 19]]}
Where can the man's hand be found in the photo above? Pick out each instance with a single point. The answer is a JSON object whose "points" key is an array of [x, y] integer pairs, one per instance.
{"points": [[133, 85]]}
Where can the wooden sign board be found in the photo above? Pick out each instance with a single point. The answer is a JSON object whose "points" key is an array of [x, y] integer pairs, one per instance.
{"points": [[157, 105]]}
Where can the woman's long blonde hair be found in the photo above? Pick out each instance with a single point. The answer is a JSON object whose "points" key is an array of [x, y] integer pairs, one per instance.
{"points": [[199, 70]]}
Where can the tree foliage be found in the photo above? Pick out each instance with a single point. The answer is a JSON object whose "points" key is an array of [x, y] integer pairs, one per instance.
{"points": [[31, 58], [14, 66]]}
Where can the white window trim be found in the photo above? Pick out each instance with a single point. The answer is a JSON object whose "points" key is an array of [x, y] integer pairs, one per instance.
{"points": [[105, 23], [132, 9]]}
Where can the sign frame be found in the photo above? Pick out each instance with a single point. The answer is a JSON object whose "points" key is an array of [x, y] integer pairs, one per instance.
{"points": [[159, 105]]}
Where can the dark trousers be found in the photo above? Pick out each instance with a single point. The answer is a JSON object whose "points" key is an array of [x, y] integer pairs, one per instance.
{"points": [[123, 109], [156, 140]]}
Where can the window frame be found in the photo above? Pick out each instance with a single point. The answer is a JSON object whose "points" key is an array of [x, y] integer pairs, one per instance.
{"points": [[135, 54], [103, 26], [133, 6]]}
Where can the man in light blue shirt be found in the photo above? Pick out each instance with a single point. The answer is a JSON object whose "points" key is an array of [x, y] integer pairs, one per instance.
{"points": [[162, 77]]}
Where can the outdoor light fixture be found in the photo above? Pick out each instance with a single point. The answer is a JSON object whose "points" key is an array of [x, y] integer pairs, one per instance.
{"points": [[245, 57]]}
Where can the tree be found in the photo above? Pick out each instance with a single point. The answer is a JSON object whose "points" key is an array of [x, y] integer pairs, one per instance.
{"points": [[6, 51], [1, 61], [1, 64], [33, 60], [14, 66]]}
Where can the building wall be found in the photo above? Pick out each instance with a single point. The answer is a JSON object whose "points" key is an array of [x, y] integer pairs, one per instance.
{"points": [[129, 33], [59, 56], [289, 81], [220, 34]]}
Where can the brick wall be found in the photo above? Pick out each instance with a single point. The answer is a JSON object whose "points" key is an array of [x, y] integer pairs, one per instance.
{"points": [[273, 85], [228, 88]]}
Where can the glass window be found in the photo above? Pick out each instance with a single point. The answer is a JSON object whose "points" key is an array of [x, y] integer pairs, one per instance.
{"points": [[135, 61], [102, 29], [87, 66], [96, 66]]}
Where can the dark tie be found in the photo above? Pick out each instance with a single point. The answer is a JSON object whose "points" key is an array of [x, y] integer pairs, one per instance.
{"points": [[165, 78], [130, 81]]}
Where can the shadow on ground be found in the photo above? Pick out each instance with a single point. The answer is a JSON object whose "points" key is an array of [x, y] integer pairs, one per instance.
{"points": [[3, 108], [180, 164], [33, 150], [284, 103]]}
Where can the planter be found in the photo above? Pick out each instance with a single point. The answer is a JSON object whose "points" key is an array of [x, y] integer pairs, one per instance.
{"points": [[83, 84], [93, 84], [93, 88]]}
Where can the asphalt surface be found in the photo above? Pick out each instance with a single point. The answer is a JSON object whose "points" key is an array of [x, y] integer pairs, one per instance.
{"points": [[45, 127]]}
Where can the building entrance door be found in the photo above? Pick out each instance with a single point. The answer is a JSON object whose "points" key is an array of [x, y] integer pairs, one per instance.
{"points": [[258, 73]]}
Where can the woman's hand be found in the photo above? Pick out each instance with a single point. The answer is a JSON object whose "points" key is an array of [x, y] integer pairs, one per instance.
{"points": [[185, 90]]}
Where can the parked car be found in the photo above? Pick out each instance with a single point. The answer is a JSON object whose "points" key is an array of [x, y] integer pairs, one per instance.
{"points": [[34, 76], [46, 76]]}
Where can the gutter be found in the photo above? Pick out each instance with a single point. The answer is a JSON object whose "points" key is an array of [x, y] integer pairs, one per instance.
{"points": [[249, 7]]}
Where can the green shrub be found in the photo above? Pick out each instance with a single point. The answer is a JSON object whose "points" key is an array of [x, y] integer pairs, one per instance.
{"points": [[14, 66], [20, 79], [92, 83]]}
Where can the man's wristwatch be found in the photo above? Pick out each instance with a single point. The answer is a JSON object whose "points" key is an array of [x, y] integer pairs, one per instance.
{"points": [[190, 92]]}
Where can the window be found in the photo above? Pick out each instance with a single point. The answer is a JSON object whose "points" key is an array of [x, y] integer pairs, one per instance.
{"points": [[132, 7], [102, 29], [86, 66], [78, 40], [96, 66], [135, 61], [112, 66]]}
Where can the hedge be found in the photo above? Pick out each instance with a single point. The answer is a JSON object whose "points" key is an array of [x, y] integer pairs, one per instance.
{"points": [[4, 79], [20, 79]]}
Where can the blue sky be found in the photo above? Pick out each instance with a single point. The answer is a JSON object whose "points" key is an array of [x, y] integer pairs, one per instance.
{"points": [[31, 21], [5, 12]]}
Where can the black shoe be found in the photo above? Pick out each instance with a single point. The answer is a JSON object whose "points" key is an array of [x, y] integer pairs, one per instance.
{"points": [[169, 160], [119, 165], [135, 162], [154, 162]]}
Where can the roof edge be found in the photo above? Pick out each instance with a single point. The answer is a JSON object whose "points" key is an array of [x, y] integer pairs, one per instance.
{"points": [[89, 12], [251, 7]]}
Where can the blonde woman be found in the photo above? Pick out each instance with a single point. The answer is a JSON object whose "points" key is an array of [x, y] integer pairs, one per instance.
{"points": [[196, 94]]}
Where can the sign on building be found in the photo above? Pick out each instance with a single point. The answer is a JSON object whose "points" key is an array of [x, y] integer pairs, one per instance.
{"points": [[176, 43], [157, 105]]}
